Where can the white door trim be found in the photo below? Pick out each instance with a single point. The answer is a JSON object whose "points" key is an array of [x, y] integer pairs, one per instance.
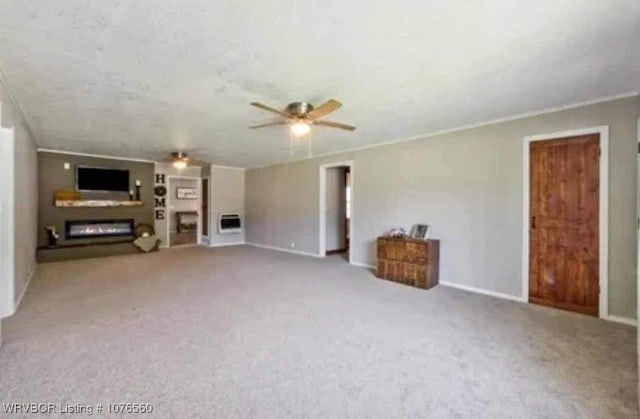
{"points": [[603, 250], [198, 203], [322, 207]]}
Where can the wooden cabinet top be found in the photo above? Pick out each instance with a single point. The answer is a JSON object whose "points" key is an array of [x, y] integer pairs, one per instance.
{"points": [[406, 239]]}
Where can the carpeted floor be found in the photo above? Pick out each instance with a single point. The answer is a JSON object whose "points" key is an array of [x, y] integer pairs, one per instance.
{"points": [[242, 332]]}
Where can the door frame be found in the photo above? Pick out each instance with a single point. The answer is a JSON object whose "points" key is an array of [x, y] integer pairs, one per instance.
{"points": [[636, 323], [322, 207], [208, 215], [603, 222], [199, 205]]}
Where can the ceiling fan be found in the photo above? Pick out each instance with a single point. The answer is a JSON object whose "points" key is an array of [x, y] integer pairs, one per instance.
{"points": [[302, 115], [181, 160]]}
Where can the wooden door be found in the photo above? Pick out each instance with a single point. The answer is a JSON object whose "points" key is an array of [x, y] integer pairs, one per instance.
{"points": [[563, 225], [205, 207]]}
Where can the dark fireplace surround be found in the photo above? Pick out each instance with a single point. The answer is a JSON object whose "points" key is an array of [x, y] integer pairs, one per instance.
{"points": [[96, 229]]}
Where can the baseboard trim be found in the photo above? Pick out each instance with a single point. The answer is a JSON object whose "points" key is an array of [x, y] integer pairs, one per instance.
{"points": [[26, 287], [620, 319], [483, 291], [281, 249], [226, 244], [364, 265]]}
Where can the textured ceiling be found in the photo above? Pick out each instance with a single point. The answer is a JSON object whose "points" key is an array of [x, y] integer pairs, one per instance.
{"points": [[142, 78]]}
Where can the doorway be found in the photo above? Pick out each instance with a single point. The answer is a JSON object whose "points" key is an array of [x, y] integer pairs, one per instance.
{"points": [[205, 207], [184, 210], [336, 210], [565, 224]]}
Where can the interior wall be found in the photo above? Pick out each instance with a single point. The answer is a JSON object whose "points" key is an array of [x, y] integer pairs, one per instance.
{"points": [[7, 234], [227, 196], [467, 185], [336, 201], [180, 204], [25, 216], [167, 170], [53, 175]]}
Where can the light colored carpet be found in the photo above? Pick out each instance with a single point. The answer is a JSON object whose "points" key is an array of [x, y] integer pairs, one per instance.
{"points": [[242, 332]]}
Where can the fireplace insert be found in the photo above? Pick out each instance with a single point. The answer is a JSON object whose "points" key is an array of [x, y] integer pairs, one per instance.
{"points": [[88, 229]]}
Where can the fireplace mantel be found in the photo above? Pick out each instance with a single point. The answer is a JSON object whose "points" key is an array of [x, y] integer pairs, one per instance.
{"points": [[96, 203]]}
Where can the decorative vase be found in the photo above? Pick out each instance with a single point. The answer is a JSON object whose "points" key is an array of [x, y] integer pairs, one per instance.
{"points": [[52, 237]]}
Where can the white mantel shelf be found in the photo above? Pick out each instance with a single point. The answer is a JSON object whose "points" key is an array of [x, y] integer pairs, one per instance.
{"points": [[95, 203]]}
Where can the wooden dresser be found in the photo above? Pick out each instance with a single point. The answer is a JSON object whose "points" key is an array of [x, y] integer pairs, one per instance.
{"points": [[409, 261]]}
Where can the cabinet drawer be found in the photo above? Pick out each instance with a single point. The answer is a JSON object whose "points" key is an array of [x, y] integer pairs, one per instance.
{"points": [[396, 270], [389, 269], [410, 273], [416, 252], [421, 277], [382, 249], [392, 250]]}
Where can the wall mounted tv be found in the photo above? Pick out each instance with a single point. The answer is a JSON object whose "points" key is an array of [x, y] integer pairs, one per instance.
{"points": [[101, 179]]}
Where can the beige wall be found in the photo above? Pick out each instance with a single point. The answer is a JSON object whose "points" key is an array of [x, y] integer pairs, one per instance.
{"points": [[227, 195], [467, 186], [25, 163]]}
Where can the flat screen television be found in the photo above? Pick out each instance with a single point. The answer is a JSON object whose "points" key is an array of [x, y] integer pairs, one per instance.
{"points": [[100, 179]]}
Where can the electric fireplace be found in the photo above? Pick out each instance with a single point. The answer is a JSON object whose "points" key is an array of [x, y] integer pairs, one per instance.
{"points": [[89, 229]]}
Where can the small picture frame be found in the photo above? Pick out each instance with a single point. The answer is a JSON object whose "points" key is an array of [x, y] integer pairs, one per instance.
{"points": [[420, 232], [186, 193]]}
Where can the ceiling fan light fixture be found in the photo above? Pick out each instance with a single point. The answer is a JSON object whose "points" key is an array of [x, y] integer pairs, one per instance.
{"points": [[300, 128], [180, 164]]}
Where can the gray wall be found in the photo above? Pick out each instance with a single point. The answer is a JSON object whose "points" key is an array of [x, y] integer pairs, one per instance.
{"points": [[227, 195], [25, 202], [52, 175], [467, 186], [336, 201]]}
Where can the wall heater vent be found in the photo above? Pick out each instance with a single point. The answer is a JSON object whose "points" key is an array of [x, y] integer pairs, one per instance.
{"points": [[229, 223]]}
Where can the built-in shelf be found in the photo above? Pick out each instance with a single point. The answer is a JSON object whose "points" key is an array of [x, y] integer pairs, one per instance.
{"points": [[75, 244], [95, 203]]}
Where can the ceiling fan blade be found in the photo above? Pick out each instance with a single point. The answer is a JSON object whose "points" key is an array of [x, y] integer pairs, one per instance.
{"points": [[196, 162], [270, 124], [335, 125], [270, 109], [326, 108]]}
